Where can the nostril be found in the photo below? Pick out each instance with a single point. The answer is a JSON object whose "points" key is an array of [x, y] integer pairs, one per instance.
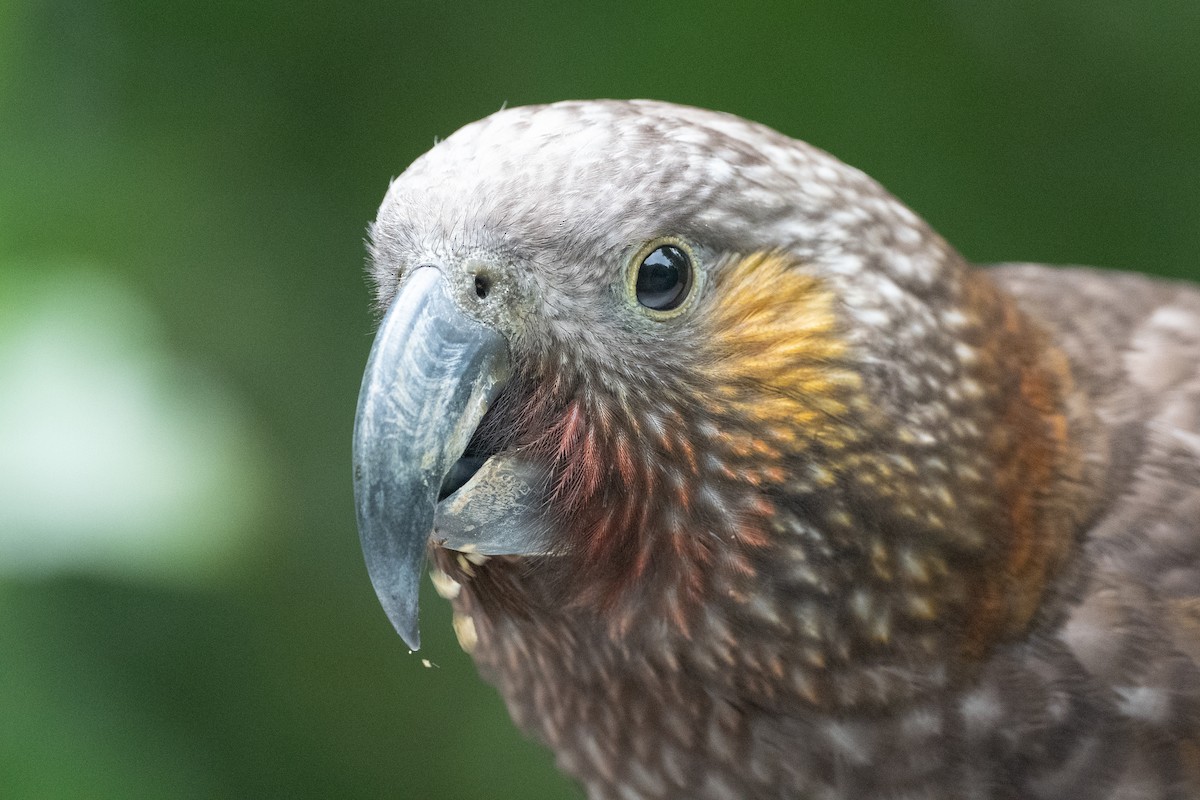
{"points": [[483, 285]]}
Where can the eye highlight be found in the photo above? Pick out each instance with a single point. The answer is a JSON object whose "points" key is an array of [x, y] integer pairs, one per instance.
{"points": [[664, 278]]}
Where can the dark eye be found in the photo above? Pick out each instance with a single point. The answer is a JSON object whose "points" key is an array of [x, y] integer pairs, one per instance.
{"points": [[664, 278]]}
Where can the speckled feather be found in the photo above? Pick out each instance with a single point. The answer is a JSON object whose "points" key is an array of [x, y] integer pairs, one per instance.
{"points": [[863, 522]]}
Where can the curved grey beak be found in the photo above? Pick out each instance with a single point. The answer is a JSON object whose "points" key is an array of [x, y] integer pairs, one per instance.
{"points": [[432, 374]]}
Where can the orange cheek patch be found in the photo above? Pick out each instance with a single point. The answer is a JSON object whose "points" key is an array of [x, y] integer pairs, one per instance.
{"points": [[778, 356]]}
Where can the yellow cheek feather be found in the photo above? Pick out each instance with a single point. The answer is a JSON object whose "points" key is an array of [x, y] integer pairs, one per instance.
{"points": [[778, 356]]}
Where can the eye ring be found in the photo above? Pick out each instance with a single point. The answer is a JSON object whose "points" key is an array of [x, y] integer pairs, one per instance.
{"points": [[663, 276]]}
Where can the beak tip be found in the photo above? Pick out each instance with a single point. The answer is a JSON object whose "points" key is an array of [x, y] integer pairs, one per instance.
{"points": [[409, 630], [401, 611]]}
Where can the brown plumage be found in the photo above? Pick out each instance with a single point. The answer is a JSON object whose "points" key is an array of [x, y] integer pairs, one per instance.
{"points": [[850, 519]]}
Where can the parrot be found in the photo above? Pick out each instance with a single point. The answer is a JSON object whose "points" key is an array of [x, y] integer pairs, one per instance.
{"points": [[743, 483]]}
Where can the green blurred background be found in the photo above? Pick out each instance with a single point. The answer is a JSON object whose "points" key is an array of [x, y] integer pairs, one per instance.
{"points": [[183, 321]]}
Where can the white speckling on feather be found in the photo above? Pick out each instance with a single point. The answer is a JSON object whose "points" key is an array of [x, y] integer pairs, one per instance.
{"points": [[1185, 438], [1145, 703], [720, 741], [861, 603], [981, 711], [804, 684], [921, 723], [1177, 320], [827, 173], [595, 753], [677, 725], [972, 389], [655, 423], [847, 219], [954, 318], [762, 607], [673, 763], [871, 317], [701, 138], [966, 355], [965, 471], [911, 382], [847, 741], [715, 787], [446, 587], [808, 616], [817, 189], [904, 213], [845, 264], [794, 229], [717, 625], [720, 170], [763, 198], [649, 783], [902, 266], [1157, 357], [627, 792], [710, 498], [906, 234], [464, 631], [889, 292]]}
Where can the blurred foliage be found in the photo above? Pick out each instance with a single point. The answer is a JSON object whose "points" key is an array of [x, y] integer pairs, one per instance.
{"points": [[190, 183]]}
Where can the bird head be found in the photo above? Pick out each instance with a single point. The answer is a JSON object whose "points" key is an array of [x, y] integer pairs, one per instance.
{"points": [[711, 390]]}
